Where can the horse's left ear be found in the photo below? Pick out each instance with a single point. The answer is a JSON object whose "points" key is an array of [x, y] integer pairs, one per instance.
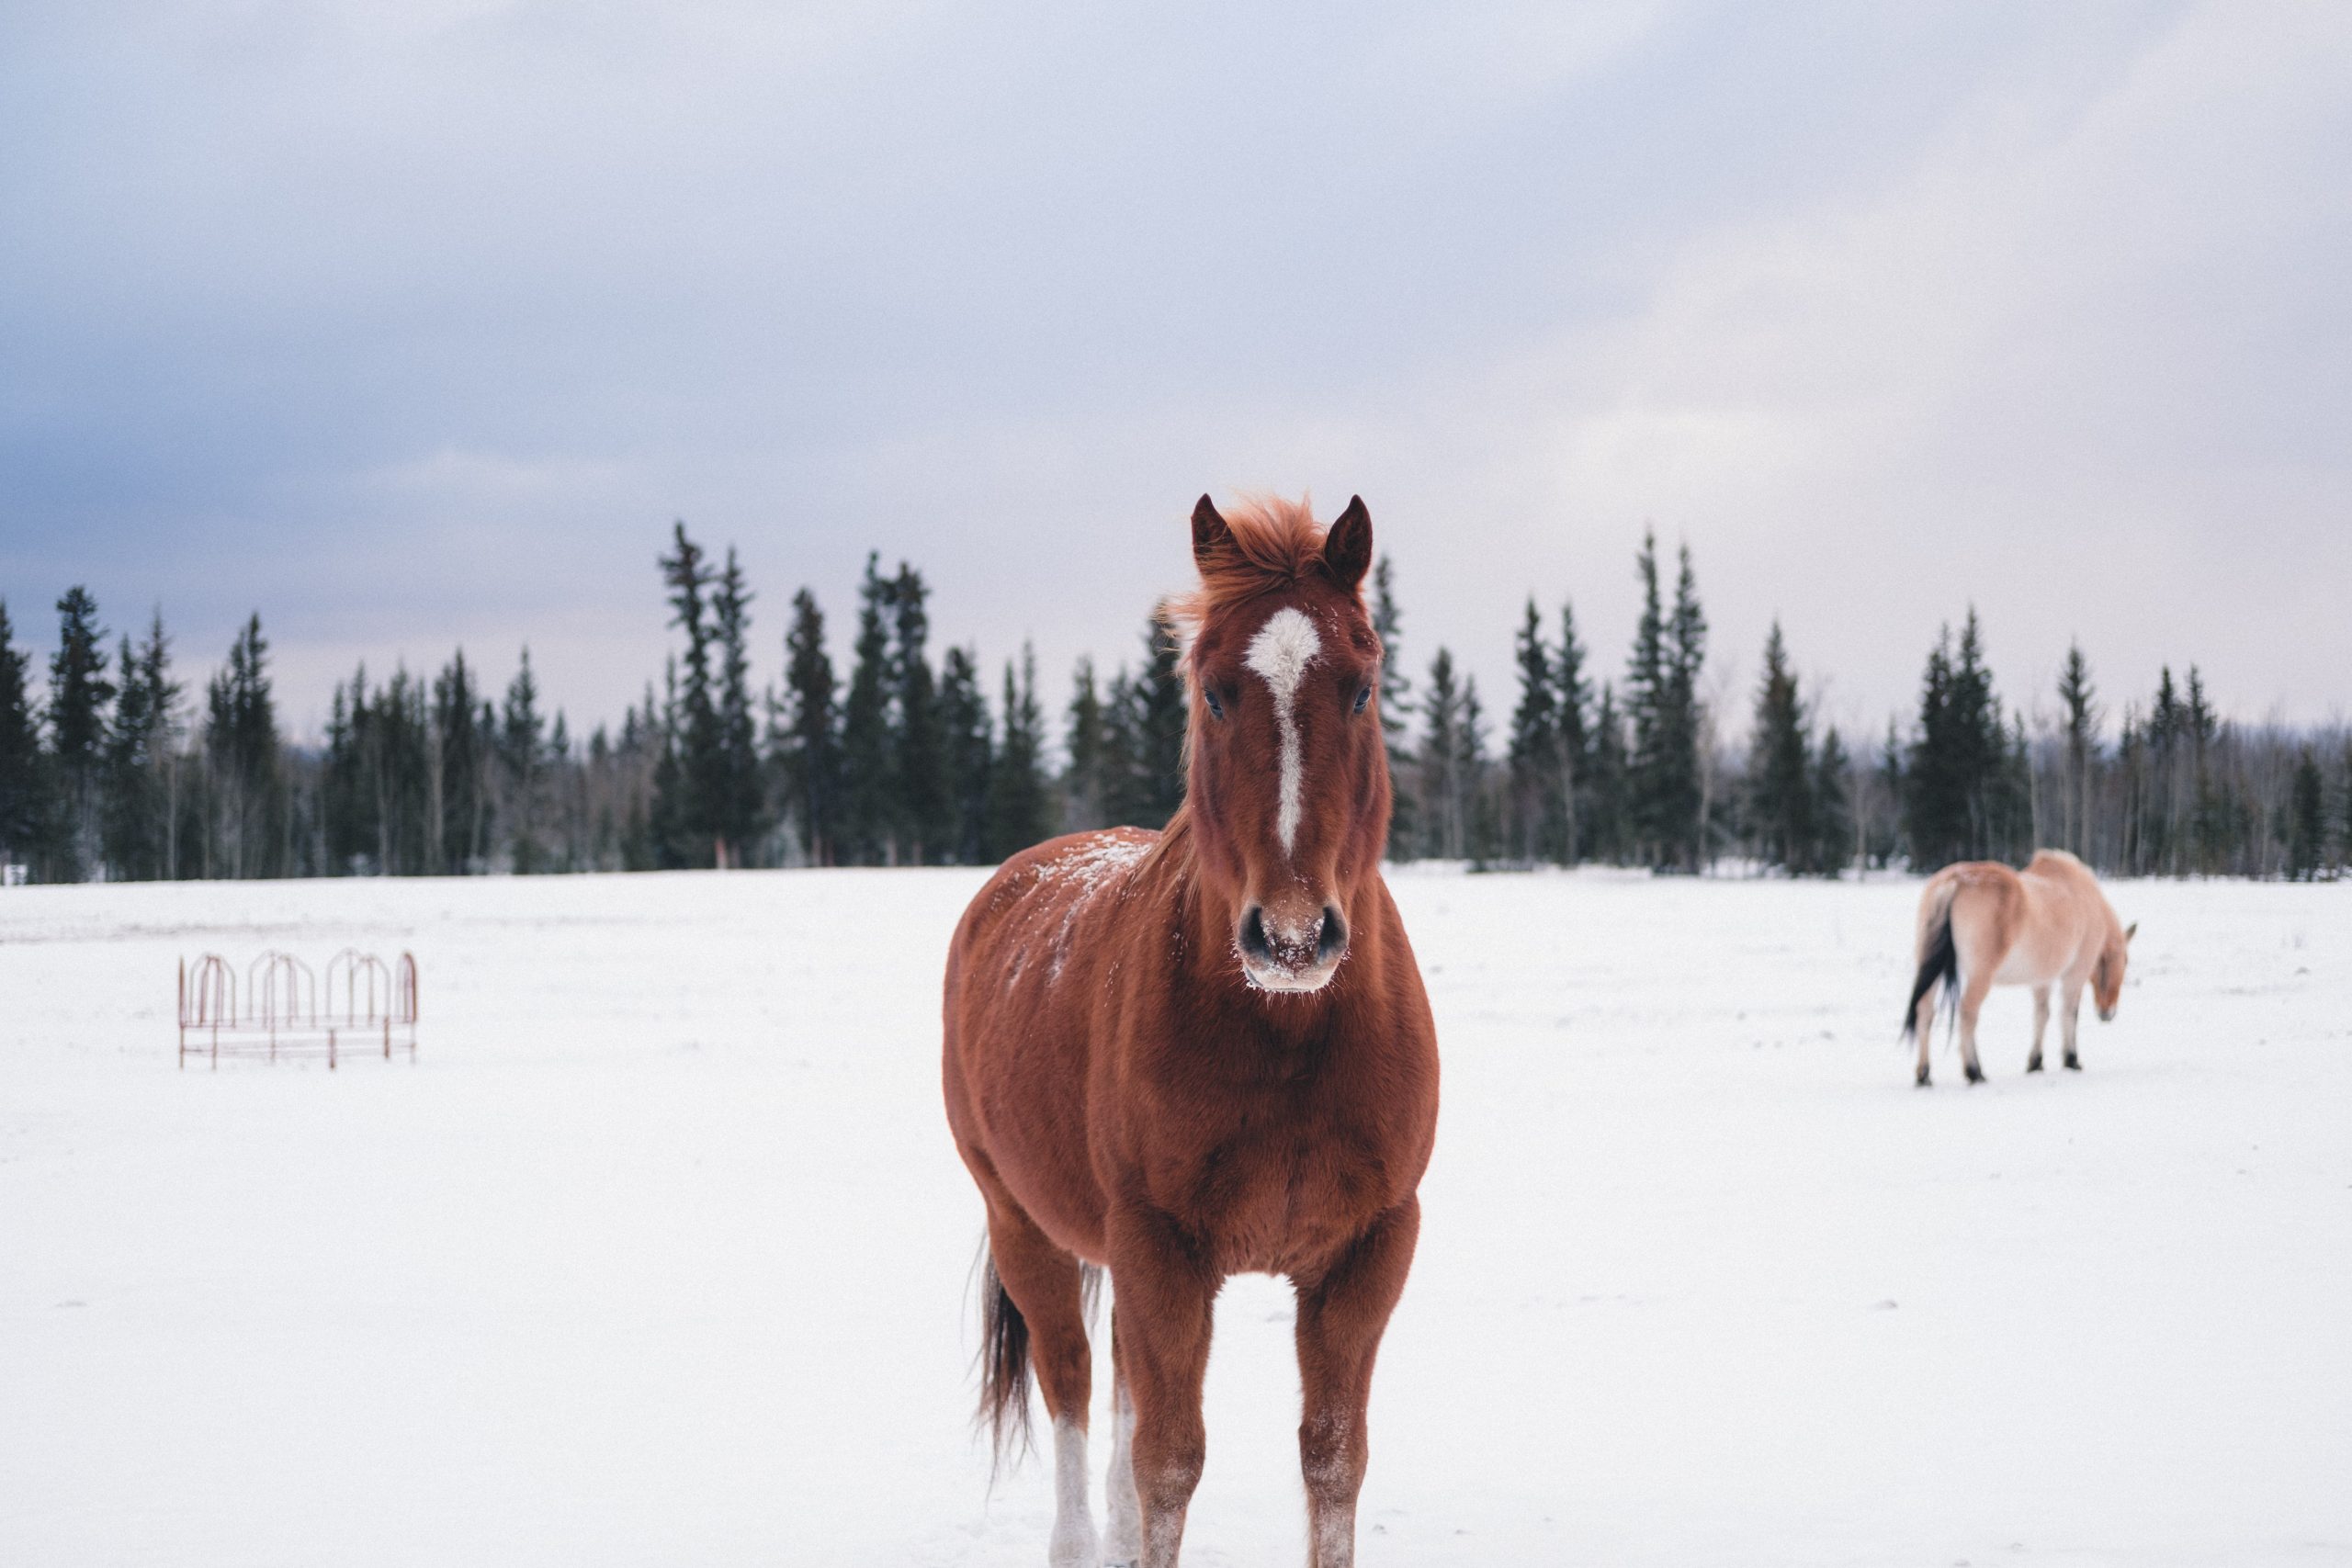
{"points": [[2130, 931], [1347, 548]]}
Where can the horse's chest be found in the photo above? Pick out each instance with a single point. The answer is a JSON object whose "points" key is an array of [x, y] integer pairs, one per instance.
{"points": [[1280, 1190]]}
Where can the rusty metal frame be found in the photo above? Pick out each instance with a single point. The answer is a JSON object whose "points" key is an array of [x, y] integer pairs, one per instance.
{"points": [[366, 1002]]}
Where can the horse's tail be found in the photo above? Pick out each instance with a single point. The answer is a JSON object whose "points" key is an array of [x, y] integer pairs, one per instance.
{"points": [[1938, 960], [1004, 1367]]}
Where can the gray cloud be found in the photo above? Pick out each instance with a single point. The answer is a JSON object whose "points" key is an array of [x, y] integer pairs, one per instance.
{"points": [[416, 325]]}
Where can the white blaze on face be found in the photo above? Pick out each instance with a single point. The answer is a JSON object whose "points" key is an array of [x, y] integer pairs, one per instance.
{"points": [[1279, 653]]}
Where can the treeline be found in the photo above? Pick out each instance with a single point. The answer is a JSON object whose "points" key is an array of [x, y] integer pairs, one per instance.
{"points": [[913, 760]]}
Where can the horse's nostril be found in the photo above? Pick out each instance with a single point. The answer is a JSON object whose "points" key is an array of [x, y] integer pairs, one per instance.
{"points": [[1253, 936], [1333, 941]]}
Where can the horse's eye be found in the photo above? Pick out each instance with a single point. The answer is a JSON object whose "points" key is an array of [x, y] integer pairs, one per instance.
{"points": [[1363, 698], [1216, 704]]}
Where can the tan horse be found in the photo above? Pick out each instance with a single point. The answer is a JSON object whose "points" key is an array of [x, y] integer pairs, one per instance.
{"points": [[1983, 925]]}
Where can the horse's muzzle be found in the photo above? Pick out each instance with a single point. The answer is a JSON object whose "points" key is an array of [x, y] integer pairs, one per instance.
{"points": [[1301, 957]]}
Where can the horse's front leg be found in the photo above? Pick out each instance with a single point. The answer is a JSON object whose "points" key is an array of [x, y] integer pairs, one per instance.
{"points": [[1165, 1297], [2041, 1026], [1342, 1314], [2071, 1015]]}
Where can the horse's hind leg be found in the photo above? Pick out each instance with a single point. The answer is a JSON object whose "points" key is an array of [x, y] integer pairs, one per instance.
{"points": [[1972, 1002], [1047, 1286], [2041, 1026], [1922, 1024]]}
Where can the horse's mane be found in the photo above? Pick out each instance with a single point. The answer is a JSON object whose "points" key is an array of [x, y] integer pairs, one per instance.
{"points": [[1275, 543]]}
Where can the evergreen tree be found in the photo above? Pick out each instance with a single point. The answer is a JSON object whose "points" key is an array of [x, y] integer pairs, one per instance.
{"points": [[1892, 787], [522, 755], [1482, 814], [79, 693], [1020, 810], [2307, 820], [812, 753], [1833, 815], [1609, 816], [241, 748], [24, 806], [868, 743], [2080, 700], [1087, 787], [971, 755], [1962, 801], [138, 813], [738, 799], [1534, 749], [458, 786], [1781, 779], [925, 812], [1445, 817], [1665, 788], [1149, 733], [1396, 710], [1573, 698], [695, 784]]}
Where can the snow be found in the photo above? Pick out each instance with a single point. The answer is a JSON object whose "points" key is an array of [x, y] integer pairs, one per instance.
{"points": [[659, 1252]]}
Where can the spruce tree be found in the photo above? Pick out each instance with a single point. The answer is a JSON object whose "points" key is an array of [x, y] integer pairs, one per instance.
{"points": [[522, 750], [1020, 810], [1086, 786], [2080, 700], [1445, 818], [24, 806], [1609, 815], [79, 693], [1781, 801], [1573, 698], [1665, 785], [1534, 751], [2306, 820], [1481, 812], [868, 743], [812, 754], [242, 751], [458, 786], [970, 752], [925, 813], [137, 827], [738, 797], [1152, 731], [1833, 812], [1396, 711], [693, 810]]}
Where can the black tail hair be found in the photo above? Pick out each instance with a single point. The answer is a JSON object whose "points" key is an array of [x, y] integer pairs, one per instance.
{"points": [[1941, 962], [1004, 1358], [1004, 1368]]}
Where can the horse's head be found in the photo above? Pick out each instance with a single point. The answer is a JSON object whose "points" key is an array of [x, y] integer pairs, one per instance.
{"points": [[1287, 782], [2106, 976]]}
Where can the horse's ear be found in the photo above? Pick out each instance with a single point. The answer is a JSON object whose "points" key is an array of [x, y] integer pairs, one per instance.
{"points": [[1347, 548], [1210, 533], [2130, 931]]}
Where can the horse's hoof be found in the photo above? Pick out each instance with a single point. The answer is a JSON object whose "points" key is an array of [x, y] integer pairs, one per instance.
{"points": [[2034, 1065], [2072, 1066], [1976, 1074], [1922, 1081]]}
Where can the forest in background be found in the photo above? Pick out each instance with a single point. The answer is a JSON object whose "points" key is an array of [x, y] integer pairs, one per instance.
{"points": [[113, 771]]}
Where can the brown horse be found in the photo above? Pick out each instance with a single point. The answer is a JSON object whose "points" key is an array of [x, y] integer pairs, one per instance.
{"points": [[1203, 1052], [1983, 925]]}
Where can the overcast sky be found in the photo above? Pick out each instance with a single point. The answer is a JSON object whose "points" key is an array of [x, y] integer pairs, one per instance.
{"points": [[416, 325]]}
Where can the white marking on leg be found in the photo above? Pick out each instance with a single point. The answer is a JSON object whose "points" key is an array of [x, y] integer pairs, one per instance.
{"points": [[1279, 653], [1073, 1544], [1123, 1536]]}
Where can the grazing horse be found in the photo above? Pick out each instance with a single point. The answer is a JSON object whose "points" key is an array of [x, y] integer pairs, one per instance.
{"points": [[1983, 925], [1203, 1052]]}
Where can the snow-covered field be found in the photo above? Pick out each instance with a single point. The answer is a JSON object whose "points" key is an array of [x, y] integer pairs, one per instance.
{"points": [[660, 1253]]}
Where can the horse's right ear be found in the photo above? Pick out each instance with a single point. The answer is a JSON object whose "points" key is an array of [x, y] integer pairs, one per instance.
{"points": [[1211, 534], [2130, 931]]}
